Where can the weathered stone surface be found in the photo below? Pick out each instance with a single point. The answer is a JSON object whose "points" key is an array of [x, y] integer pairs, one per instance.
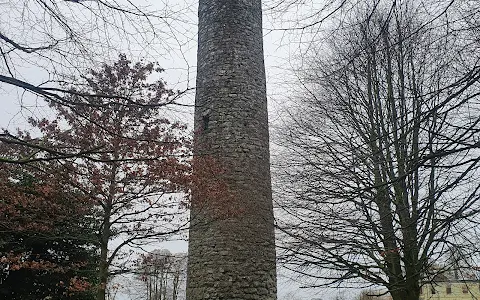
{"points": [[233, 256]]}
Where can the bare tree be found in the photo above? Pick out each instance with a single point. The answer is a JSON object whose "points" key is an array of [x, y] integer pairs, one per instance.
{"points": [[46, 46], [164, 274], [382, 153], [64, 37], [305, 20]]}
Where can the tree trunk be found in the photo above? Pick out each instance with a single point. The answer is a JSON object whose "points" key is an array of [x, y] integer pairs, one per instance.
{"points": [[105, 236], [103, 265]]}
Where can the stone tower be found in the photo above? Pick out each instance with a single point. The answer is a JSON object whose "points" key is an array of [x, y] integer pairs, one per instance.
{"points": [[232, 256]]}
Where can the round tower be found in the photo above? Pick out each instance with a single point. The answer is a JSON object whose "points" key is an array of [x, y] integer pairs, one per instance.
{"points": [[232, 244]]}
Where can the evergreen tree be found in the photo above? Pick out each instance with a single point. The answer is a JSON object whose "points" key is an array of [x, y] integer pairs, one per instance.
{"points": [[46, 248]]}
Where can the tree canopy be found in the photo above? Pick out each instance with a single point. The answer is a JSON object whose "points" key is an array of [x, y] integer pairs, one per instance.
{"points": [[382, 154]]}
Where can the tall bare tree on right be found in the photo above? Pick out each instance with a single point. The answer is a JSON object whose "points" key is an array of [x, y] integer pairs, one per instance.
{"points": [[382, 150]]}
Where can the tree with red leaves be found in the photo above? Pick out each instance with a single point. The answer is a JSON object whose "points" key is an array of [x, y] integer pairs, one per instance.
{"points": [[140, 165]]}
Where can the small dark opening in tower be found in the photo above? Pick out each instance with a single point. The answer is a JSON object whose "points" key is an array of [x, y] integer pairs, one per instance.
{"points": [[206, 120]]}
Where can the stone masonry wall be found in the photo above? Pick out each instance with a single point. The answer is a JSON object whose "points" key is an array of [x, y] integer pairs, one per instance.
{"points": [[232, 255]]}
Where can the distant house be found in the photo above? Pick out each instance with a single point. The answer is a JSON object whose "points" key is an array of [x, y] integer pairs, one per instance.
{"points": [[453, 285], [451, 290], [461, 284]]}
